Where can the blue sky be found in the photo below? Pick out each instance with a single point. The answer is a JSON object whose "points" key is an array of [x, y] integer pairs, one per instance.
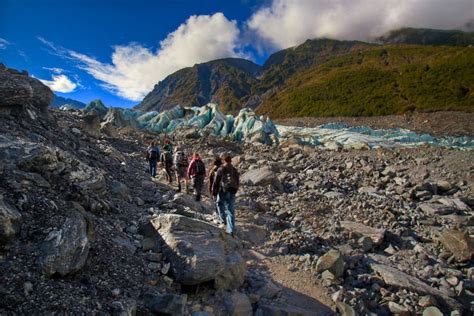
{"points": [[117, 50]]}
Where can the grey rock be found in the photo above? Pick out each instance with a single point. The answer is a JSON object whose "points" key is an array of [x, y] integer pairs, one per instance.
{"points": [[332, 261], [20, 90], [345, 309], [199, 252], [279, 309], [119, 189], [166, 304], [238, 304], [125, 307], [377, 235], [262, 177], [436, 209], [91, 124], [396, 278], [65, 250], [10, 220], [432, 311], [398, 309], [459, 243]]}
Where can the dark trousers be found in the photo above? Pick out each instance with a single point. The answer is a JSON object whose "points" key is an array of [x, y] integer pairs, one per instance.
{"points": [[169, 172], [153, 163], [198, 184]]}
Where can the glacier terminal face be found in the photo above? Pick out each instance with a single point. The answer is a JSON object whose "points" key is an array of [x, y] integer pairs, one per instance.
{"points": [[249, 127]]}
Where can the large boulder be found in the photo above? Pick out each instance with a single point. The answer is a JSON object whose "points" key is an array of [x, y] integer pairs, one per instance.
{"points": [[200, 252], [459, 243], [331, 261], [91, 124], [10, 220], [262, 177], [65, 250], [17, 89]]}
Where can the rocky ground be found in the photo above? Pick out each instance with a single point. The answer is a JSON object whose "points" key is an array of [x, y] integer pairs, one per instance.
{"points": [[435, 123], [85, 230]]}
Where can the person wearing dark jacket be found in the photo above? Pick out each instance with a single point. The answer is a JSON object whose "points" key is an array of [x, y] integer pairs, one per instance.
{"points": [[225, 187], [152, 155], [212, 172], [197, 172]]}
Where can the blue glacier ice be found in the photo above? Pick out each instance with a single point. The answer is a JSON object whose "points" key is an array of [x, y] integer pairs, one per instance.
{"points": [[247, 126]]}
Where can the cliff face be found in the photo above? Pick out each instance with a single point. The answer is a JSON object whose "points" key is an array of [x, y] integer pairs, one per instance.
{"points": [[226, 82]]}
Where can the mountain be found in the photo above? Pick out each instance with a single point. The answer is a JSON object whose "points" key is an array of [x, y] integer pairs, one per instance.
{"points": [[224, 81], [282, 64], [428, 37], [70, 103], [379, 81], [96, 107], [237, 83]]}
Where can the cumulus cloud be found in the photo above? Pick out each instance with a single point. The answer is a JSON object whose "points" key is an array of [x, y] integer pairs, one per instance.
{"points": [[4, 43], [285, 23], [134, 69], [60, 83]]}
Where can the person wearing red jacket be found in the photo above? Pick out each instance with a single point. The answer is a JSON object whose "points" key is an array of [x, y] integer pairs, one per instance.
{"points": [[197, 172]]}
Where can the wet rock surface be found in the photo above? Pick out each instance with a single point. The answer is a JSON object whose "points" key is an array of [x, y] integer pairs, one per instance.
{"points": [[85, 230]]}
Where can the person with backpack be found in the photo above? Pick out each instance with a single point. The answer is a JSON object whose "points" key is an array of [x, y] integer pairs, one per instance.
{"points": [[181, 165], [152, 155], [212, 173], [166, 160], [197, 172], [225, 186]]}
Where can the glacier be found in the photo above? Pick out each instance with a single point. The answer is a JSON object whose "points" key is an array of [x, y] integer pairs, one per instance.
{"points": [[247, 126]]}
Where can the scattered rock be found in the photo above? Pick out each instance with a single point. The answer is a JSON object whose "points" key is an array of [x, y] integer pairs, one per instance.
{"points": [[65, 250], [332, 261], [432, 311]]}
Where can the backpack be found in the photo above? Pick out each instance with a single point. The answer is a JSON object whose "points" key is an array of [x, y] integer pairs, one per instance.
{"points": [[200, 168], [180, 159], [153, 153], [167, 158], [230, 179]]}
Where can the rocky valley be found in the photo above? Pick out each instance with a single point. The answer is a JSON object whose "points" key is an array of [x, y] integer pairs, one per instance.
{"points": [[84, 229]]}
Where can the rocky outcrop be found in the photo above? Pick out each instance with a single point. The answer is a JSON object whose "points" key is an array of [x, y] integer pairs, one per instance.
{"points": [[18, 90], [199, 252], [358, 229], [65, 250]]}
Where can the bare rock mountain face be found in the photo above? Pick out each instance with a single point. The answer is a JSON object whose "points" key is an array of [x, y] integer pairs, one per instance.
{"points": [[18, 91], [223, 81]]}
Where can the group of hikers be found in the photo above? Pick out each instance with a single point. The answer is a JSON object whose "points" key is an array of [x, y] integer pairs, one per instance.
{"points": [[223, 177]]}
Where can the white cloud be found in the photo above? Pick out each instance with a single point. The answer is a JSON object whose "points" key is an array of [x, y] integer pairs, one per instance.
{"points": [[4, 43], [135, 69], [287, 23], [60, 83], [54, 70]]}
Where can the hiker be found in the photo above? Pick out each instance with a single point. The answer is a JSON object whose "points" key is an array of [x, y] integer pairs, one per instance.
{"points": [[212, 173], [181, 168], [168, 146], [166, 160], [152, 155], [225, 187], [197, 172]]}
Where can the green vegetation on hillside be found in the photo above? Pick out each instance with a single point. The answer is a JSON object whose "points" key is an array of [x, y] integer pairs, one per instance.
{"points": [[428, 37], [380, 81]]}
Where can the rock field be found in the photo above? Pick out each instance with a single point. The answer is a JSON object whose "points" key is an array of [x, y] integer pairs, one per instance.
{"points": [[85, 230]]}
